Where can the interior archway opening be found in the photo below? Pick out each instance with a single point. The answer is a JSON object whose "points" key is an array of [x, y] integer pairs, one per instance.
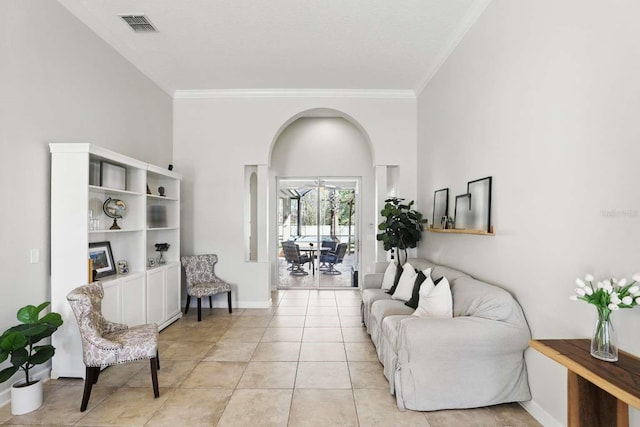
{"points": [[321, 167]]}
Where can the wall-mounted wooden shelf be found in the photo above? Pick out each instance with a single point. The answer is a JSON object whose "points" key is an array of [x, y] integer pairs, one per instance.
{"points": [[460, 231]]}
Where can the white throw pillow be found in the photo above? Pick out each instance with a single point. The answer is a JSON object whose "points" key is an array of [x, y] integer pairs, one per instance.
{"points": [[435, 300], [405, 284], [389, 276]]}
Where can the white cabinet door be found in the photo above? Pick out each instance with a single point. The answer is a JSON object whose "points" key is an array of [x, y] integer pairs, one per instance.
{"points": [[173, 290], [111, 308], [134, 310], [156, 296]]}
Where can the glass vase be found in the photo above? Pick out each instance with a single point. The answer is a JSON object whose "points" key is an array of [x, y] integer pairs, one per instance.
{"points": [[604, 344], [161, 259]]}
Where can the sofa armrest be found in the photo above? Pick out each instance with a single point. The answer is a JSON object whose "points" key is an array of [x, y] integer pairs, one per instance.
{"points": [[372, 281], [473, 361]]}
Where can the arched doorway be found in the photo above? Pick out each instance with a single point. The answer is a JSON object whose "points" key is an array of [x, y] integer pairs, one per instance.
{"points": [[327, 156]]}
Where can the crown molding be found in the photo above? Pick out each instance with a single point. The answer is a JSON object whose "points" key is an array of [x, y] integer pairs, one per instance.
{"points": [[294, 93], [470, 18]]}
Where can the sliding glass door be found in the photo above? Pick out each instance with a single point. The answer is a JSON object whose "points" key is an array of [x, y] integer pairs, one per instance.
{"points": [[317, 232]]}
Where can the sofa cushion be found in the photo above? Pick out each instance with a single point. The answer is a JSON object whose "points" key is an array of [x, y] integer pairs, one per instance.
{"points": [[388, 307], [479, 299], [396, 279], [415, 293], [369, 296], [421, 263], [389, 276], [435, 301], [405, 284], [451, 274], [390, 326]]}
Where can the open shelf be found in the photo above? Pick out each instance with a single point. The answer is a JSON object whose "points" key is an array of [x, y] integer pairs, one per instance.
{"points": [[113, 191], [461, 231]]}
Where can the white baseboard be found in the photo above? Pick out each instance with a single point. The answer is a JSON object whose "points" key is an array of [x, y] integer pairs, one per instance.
{"points": [[542, 416], [5, 395]]}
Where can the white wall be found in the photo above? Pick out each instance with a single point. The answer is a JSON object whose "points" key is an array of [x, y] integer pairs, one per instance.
{"points": [[60, 82], [543, 96], [215, 138]]}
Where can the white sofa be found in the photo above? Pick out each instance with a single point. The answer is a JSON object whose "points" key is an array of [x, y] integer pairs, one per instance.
{"points": [[471, 360]]}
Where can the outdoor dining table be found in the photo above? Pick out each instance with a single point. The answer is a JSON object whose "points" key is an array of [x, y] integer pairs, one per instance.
{"points": [[313, 252]]}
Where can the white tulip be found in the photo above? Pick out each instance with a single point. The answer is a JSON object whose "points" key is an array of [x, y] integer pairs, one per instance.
{"points": [[580, 291], [588, 278], [634, 290], [638, 300], [588, 290], [622, 282], [600, 285], [615, 300], [627, 300], [636, 277], [613, 280], [608, 288], [575, 298], [580, 283], [613, 307]]}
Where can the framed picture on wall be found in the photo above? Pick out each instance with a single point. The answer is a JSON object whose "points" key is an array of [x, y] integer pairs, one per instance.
{"points": [[102, 257]]}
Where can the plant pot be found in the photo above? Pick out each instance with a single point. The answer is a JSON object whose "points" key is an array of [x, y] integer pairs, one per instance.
{"points": [[25, 399]]}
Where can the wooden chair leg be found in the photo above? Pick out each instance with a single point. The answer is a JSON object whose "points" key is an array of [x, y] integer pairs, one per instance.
{"points": [[154, 376], [199, 309], [188, 303], [229, 301], [210, 302], [91, 376], [157, 360]]}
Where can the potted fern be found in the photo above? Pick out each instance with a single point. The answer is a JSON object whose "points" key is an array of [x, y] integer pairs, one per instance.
{"points": [[18, 345], [402, 227]]}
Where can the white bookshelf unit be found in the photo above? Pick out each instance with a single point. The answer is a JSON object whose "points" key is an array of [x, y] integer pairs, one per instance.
{"points": [[147, 293]]}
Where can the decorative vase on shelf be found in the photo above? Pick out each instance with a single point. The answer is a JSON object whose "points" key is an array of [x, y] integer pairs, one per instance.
{"points": [[604, 344]]}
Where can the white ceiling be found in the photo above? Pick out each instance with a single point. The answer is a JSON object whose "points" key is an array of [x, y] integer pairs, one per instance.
{"points": [[284, 44]]}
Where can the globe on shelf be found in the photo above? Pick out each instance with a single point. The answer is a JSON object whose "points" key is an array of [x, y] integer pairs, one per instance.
{"points": [[114, 208]]}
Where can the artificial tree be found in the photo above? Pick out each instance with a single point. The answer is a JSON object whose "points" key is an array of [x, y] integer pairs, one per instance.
{"points": [[17, 342], [402, 227]]}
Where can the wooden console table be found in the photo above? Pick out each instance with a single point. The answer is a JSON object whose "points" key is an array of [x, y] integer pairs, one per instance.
{"points": [[599, 393]]}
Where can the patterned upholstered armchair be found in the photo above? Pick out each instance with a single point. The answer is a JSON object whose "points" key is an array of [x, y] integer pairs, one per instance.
{"points": [[202, 280], [107, 343]]}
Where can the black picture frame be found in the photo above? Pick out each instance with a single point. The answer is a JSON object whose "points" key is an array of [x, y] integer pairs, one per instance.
{"points": [[440, 197], [102, 257], [480, 203], [461, 212]]}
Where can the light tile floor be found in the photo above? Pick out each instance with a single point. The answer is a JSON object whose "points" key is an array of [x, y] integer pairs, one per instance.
{"points": [[292, 365]]}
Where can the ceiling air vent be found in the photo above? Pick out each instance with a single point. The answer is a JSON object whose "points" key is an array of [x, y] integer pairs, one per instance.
{"points": [[139, 23]]}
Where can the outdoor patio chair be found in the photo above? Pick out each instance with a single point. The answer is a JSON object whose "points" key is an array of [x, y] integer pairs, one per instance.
{"points": [[107, 343], [331, 247], [292, 255], [202, 280], [334, 258]]}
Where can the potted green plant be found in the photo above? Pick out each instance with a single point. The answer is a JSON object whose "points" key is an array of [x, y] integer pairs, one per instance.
{"points": [[402, 227], [18, 345]]}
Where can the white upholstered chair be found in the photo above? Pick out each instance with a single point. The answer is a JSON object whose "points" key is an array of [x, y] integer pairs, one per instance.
{"points": [[202, 280], [107, 343]]}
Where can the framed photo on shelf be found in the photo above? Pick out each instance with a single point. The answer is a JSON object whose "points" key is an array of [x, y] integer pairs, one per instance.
{"points": [[440, 207], [102, 258]]}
